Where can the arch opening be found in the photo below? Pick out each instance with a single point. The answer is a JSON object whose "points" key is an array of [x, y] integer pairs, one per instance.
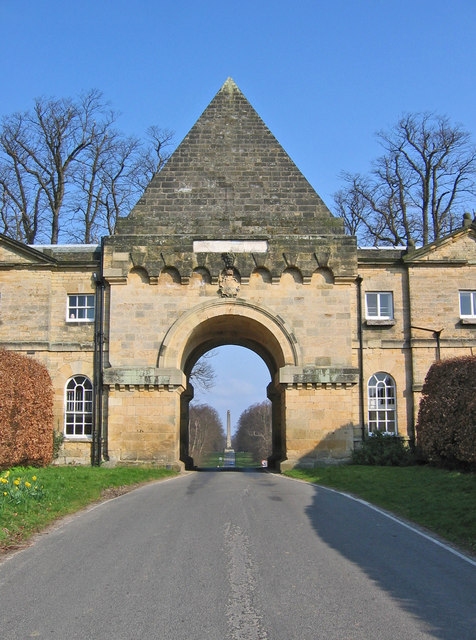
{"points": [[237, 330], [230, 424]]}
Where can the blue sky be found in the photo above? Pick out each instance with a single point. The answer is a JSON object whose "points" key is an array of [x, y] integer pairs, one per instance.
{"points": [[324, 75]]}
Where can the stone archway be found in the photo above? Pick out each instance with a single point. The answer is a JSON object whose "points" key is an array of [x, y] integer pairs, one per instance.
{"points": [[236, 322], [239, 322]]}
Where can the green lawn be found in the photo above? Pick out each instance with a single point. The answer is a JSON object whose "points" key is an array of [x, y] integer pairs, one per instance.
{"points": [[442, 501], [54, 492]]}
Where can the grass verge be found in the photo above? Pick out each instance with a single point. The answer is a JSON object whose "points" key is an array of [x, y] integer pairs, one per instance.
{"points": [[442, 501], [31, 499]]}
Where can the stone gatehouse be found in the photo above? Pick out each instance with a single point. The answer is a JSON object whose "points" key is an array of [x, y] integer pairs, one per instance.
{"points": [[230, 244]]}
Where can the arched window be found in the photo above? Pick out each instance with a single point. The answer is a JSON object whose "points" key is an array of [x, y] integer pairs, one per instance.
{"points": [[79, 408], [382, 414]]}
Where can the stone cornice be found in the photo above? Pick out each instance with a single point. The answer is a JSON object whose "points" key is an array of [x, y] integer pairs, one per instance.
{"points": [[144, 378]]}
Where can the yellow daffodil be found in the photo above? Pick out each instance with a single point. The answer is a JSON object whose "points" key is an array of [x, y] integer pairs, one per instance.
{"points": [[33, 478], [27, 485], [16, 482]]}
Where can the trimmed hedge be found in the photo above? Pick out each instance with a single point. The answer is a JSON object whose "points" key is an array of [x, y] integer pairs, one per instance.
{"points": [[26, 411], [446, 428]]}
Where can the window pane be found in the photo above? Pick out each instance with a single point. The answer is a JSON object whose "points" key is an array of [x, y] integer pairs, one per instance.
{"points": [[372, 308], [386, 305], [379, 304], [69, 425], [467, 302], [81, 307]]}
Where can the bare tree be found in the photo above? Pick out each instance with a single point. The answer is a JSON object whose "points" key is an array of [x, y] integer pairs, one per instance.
{"points": [[416, 189], [67, 173], [42, 147], [203, 375], [206, 434], [128, 168], [105, 185], [19, 206], [254, 431], [155, 155]]}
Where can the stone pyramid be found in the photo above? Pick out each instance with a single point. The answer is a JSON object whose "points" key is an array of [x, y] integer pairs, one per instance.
{"points": [[229, 178]]}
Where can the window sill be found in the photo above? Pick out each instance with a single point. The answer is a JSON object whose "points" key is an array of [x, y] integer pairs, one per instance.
{"points": [[468, 321], [77, 438], [379, 323]]}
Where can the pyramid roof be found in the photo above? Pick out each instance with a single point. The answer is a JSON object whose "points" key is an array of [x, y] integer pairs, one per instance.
{"points": [[229, 177]]}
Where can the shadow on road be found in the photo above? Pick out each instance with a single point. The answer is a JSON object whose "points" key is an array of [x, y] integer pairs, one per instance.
{"points": [[429, 583]]}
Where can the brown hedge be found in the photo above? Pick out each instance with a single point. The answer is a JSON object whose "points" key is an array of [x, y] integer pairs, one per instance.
{"points": [[26, 411], [446, 429]]}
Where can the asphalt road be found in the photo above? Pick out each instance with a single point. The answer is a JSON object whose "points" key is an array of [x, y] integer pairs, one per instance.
{"points": [[236, 556]]}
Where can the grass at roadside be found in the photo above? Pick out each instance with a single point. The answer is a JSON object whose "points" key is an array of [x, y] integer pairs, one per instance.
{"points": [[441, 501], [31, 499]]}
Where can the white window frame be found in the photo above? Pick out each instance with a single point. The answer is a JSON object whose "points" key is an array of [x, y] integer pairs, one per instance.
{"points": [[471, 296], [78, 411], [380, 306], [382, 404], [80, 307]]}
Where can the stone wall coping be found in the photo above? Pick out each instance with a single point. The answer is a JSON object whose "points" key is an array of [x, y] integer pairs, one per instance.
{"points": [[142, 376]]}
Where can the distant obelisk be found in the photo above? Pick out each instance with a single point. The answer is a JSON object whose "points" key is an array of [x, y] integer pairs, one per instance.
{"points": [[229, 456], [228, 430]]}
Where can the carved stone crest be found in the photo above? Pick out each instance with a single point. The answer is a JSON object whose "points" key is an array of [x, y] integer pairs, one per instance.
{"points": [[228, 284]]}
